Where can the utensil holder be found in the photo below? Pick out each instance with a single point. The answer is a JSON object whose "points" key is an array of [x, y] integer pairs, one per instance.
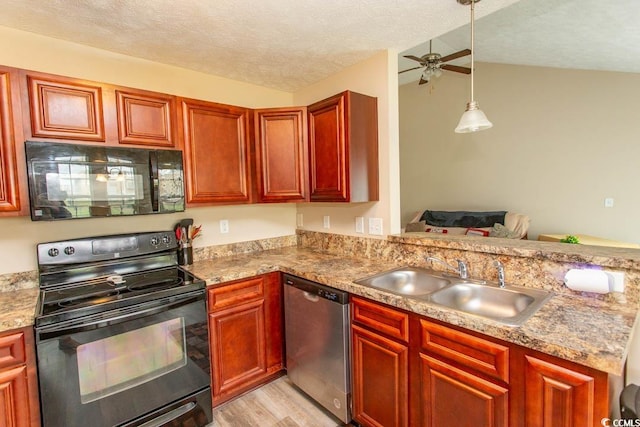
{"points": [[185, 254]]}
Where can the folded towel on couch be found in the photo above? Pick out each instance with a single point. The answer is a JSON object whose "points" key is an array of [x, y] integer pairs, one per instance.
{"points": [[463, 218]]}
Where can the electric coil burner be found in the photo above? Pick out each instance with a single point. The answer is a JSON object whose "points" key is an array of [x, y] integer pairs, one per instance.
{"points": [[121, 333]]}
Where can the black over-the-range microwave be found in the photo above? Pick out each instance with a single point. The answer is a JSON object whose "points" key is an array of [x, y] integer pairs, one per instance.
{"points": [[69, 181]]}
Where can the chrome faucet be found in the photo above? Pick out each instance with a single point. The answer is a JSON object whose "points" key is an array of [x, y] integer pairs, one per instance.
{"points": [[462, 269], [500, 268]]}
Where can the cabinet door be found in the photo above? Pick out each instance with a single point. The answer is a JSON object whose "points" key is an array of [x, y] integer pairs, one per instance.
{"points": [[343, 149], [146, 118], [328, 150], [216, 150], [65, 109], [245, 327], [452, 397], [9, 187], [238, 353], [380, 380], [556, 396], [19, 404], [281, 154]]}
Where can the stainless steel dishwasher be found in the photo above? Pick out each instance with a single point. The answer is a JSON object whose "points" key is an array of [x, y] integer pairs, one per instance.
{"points": [[318, 343]]}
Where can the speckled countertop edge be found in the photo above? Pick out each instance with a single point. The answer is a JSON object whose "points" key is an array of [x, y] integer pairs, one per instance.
{"points": [[580, 329]]}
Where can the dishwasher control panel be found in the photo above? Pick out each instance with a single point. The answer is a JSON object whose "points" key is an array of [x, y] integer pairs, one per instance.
{"points": [[317, 289]]}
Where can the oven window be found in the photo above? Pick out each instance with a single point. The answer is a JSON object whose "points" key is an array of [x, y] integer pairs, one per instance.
{"points": [[117, 363]]}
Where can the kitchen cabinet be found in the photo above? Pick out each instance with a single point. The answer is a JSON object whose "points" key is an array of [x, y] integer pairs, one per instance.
{"points": [[217, 153], [452, 376], [65, 108], [19, 405], [554, 392], [246, 335], [13, 196], [380, 364], [461, 374], [343, 148], [146, 118], [281, 154]]}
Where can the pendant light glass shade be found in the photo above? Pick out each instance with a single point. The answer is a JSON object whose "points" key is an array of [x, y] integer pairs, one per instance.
{"points": [[473, 118]]}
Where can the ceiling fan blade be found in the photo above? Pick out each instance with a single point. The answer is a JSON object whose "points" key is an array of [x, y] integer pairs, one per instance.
{"points": [[456, 55], [456, 68], [404, 71], [422, 81], [415, 58]]}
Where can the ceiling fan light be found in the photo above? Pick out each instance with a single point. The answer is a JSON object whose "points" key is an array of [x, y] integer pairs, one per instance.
{"points": [[473, 120]]}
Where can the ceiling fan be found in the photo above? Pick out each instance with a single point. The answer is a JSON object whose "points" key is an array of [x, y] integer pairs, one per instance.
{"points": [[434, 63]]}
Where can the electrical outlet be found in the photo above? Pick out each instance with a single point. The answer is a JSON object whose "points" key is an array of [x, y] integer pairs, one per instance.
{"points": [[375, 226], [299, 221], [359, 224], [616, 281], [224, 226], [608, 202], [326, 223]]}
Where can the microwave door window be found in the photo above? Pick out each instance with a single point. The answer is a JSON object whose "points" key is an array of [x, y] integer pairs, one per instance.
{"points": [[83, 190]]}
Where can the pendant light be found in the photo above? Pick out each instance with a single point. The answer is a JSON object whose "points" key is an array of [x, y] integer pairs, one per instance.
{"points": [[473, 118]]}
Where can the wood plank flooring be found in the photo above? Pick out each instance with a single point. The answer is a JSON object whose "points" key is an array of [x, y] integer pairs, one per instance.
{"points": [[277, 404]]}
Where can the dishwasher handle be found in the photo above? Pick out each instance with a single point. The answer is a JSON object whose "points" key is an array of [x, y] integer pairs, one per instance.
{"points": [[316, 291]]}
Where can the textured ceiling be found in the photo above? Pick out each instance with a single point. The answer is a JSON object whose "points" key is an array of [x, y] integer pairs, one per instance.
{"points": [[579, 34], [283, 44]]}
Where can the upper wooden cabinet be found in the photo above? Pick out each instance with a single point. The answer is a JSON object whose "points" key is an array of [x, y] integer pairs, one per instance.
{"points": [[10, 140], [146, 118], [217, 152], [343, 148], [65, 108], [281, 154]]}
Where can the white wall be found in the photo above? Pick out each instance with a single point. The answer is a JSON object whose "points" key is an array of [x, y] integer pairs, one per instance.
{"points": [[374, 77], [562, 141]]}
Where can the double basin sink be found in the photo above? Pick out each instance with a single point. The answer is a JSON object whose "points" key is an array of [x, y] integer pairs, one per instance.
{"points": [[510, 305]]}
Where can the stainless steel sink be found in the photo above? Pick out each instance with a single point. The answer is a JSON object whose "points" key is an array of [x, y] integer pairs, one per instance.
{"points": [[412, 281], [511, 305]]}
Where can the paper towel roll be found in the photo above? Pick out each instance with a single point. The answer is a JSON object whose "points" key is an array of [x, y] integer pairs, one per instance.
{"points": [[586, 280]]}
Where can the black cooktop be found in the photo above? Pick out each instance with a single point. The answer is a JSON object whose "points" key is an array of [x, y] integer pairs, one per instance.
{"points": [[84, 277]]}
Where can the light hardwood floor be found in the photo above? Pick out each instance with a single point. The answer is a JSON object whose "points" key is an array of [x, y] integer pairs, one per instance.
{"points": [[277, 404]]}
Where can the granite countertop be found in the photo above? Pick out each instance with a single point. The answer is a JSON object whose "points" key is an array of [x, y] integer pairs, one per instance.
{"points": [[17, 308], [580, 329]]}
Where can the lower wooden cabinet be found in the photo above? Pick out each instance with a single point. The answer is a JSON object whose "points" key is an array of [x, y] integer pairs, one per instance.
{"points": [[558, 393], [19, 405], [435, 375], [380, 365], [245, 332], [453, 397]]}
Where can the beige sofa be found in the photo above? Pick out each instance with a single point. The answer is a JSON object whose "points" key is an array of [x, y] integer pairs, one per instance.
{"points": [[491, 224]]}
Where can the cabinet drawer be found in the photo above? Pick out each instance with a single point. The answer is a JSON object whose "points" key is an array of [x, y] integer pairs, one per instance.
{"points": [[478, 354], [235, 293], [385, 320], [12, 349]]}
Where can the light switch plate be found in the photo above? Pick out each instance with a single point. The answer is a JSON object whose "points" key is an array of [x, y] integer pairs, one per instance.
{"points": [[375, 226], [359, 224], [326, 222]]}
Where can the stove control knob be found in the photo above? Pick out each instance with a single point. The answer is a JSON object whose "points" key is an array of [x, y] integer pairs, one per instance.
{"points": [[53, 252], [166, 239], [155, 240], [69, 250]]}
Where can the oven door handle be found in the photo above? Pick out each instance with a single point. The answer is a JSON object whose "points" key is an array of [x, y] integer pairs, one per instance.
{"points": [[114, 317]]}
